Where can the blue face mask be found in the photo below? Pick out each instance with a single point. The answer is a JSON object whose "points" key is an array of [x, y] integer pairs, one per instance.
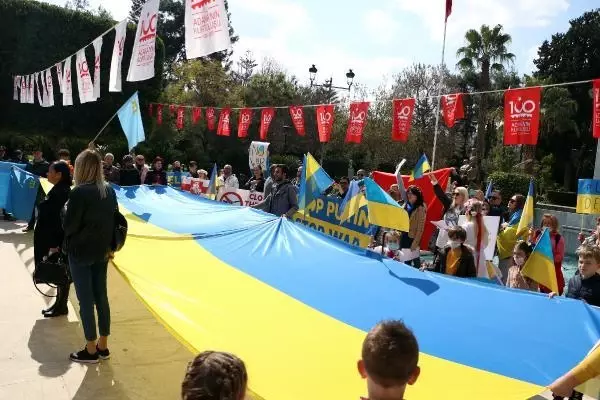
{"points": [[393, 246]]}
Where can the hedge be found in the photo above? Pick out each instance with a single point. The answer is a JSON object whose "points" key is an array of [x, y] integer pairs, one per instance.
{"points": [[37, 35], [509, 183]]}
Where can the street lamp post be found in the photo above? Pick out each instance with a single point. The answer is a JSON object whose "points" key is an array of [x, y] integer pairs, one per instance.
{"points": [[329, 86]]}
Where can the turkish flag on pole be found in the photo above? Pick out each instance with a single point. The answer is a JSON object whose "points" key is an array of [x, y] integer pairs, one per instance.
{"points": [[159, 109], [180, 117], [224, 128], [402, 119], [297, 114], [358, 121], [325, 117], [196, 115], [596, 109], [244, 122], [452, 108], [448, 9], [150, 110], [266, 117], [521, 116], [210, 118]]}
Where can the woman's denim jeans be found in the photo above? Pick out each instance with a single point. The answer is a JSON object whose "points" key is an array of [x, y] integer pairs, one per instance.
{"points": [[90, 284]]}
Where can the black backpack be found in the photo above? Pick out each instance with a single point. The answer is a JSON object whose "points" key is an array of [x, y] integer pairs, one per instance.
{"points": [[120, 229]]}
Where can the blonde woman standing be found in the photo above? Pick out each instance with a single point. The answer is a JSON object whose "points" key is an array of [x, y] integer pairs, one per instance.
{"points": [[477, 235], [89, 227]]}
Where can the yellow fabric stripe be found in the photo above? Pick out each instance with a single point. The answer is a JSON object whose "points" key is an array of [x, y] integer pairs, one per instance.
{"points": [[292, 351]]}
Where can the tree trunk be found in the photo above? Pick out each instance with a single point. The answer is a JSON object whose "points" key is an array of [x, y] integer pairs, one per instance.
{"points": [[482, 119], [529, 159]]}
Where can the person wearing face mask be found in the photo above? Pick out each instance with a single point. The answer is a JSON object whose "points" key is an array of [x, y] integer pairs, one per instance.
{"points": [[392, 245], [593, 239], [477, 235], [515, 279], [456, 259], [550, 222]]}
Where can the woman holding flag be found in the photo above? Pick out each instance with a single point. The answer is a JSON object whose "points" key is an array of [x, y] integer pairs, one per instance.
{"points": [[558, 248]]}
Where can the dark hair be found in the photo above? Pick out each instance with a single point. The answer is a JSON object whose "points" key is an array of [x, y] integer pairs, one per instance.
{"points": [[64, 153], [272, 167], [127, 158], [519, 201], [390, 353], [417, 192], [344, 178], [283, 168], [457, 233], [214, 375], [65, 171], [193, 164], [524, 247]]}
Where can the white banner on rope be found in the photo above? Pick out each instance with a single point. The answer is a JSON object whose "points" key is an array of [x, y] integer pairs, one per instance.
{"points": [[114, 84], [97, 52], [206, 27], [84, 79], [67, 84], [144, 47]]}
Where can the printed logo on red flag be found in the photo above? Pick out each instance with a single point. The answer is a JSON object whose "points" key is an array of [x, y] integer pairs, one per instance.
{"points": [[358, 121], [452, 108], [297, 114], [596, 109], [244, 122], [210, 118], [224, 128], [180, 117], [266, 117], [402, 119], [159, 109], [196, 115], [150, 110], [521, 116], [325, 118]]}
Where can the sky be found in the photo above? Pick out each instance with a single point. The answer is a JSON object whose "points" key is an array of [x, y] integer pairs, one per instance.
{"points": [[377, 39]]}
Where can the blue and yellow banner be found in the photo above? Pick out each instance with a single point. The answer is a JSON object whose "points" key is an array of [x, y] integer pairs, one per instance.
{"points": [[18, 190], [588, 196], [174, 178], [323, 215]]}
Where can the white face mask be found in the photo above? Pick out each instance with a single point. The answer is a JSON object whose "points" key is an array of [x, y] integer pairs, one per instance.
{"points": [[519, 261], [473, 213], [393, 246], [454, 244]]}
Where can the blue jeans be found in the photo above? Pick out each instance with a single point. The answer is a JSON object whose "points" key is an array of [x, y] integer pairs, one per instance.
{"points": [[90, 285]]}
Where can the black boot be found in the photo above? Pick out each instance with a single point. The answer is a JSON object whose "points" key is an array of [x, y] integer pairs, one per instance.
{"points": [[60, 306]]}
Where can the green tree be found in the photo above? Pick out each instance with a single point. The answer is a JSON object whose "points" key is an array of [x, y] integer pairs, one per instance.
{"points": [[485, 52]]}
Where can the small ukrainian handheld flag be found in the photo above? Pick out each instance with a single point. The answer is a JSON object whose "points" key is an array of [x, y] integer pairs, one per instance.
{"points": [[212, 185], [313, 182], [421, 167], [540, 264], [383, 210], [353, 201], [131, 121], [527, 216]]}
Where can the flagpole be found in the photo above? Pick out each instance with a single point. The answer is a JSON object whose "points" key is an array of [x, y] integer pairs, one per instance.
{"points": [[104, 127], [438, 97]]}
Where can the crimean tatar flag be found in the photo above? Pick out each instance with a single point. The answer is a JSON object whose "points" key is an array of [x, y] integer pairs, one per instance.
{"points": [[131, 121], [540, 264], [421, 167]]}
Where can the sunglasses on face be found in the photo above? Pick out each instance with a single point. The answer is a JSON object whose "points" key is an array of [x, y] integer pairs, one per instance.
{"points": [[455, 194]]}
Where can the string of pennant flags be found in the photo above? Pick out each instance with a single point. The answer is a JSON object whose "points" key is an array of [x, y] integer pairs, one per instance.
{"points": [[521, 115], [206, 32]]}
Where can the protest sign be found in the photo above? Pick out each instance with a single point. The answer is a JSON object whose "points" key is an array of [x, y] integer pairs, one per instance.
{"points": [[240, 197], [194, 185], [258, 155], [588, 196], [491, 225], [322, 215], [175, 178]]}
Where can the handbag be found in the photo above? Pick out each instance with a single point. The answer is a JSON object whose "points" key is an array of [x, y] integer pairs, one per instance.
{"points": [[53, 270], [119, 233]]}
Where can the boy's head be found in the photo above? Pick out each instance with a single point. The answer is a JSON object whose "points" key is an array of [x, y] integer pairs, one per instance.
{"points": [[392, 240], [215, 375], [390, 357], [456, 236], [589, 261]]}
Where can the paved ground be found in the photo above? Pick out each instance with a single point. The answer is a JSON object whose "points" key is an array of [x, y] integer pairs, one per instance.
{"points": [[147, 362]]}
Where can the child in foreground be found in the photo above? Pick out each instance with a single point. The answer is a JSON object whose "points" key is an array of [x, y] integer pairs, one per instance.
{"points": [[214, 375], [456, 259], [390, 357]]}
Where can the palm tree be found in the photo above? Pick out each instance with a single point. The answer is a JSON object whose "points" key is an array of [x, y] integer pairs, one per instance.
{"points": [[485, 51]]}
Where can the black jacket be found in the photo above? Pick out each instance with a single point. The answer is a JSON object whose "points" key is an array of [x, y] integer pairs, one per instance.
{"points": [[466, 264], [585, 289], [49, 231], [89, 224], [257, 185], [156, 178], [129, 177], [39, 168]]}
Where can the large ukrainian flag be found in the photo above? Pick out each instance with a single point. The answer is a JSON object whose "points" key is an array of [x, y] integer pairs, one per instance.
{"points": [[295, 305]]}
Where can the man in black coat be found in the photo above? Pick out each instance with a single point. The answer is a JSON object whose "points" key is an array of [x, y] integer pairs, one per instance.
{"points": [[38, 167]]}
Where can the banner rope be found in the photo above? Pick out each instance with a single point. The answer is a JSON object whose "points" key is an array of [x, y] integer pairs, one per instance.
{"points": [[380, 101]]}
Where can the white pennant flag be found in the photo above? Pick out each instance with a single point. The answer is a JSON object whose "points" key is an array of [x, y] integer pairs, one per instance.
{"points": [[41, 88], [23, 89], [31, 87], [97, 51], [59, 72], [84, 80], [114, 84], [16, 87], [49, 88], [206, 28], [67, 87], [144, 47]]}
